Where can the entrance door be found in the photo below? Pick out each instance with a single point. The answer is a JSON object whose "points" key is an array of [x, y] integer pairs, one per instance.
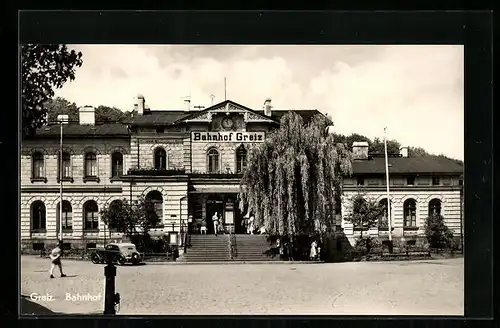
{"points": [[213, 206]]}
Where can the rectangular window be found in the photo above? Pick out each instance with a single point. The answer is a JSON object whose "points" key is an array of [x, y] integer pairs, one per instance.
{"points": [[410, 181], [38, 171], [91, 221], [360, 181], [66, 166], [91, 166], [435, 181], [67, 220]]}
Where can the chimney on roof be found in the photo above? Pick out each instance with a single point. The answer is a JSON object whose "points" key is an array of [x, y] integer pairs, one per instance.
{"points": [[267, 107], [403, 151], [140, 105], [187, 104], [86, 115], [360, 150]]}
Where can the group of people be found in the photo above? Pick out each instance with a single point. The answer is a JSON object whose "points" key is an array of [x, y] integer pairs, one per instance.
{"points": [[249, 224], [216, 221], [314, 254], [285, 250]]}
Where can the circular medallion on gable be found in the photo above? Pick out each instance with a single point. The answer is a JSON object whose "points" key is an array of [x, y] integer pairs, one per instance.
{"points": [[227, 123]]}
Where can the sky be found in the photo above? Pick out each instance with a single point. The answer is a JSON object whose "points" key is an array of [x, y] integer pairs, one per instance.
{"points": [[416, 91]]}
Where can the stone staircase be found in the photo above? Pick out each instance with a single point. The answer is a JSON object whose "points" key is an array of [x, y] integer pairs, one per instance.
{"points": [[252, 248], [207, 248]]}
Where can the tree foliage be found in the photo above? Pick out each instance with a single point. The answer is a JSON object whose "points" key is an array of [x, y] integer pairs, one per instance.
{"points": [[103, 114], [293, 179], [417, 152], [377, 146], [437, 233], [135, 220], [59, 106], [106, 114], [43, 67], [365, 213]]}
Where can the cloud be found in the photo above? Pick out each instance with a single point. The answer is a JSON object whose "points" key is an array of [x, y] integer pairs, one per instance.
{"points": [[416, 91]]}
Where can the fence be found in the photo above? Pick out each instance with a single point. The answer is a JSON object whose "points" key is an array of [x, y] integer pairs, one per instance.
{"points": [[84, 254]]}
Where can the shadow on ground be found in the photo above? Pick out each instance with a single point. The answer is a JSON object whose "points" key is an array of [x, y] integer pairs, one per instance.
{"points": [[29, 307]]}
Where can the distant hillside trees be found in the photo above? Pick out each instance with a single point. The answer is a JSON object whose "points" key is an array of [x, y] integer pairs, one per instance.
{"points": [[103, 114]]}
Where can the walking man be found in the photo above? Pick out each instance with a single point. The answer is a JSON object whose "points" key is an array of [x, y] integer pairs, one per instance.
{"points": [[55, 257]]}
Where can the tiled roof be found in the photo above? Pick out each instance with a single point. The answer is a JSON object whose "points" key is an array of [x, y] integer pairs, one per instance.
{"points": [[159, 117], [401, 165], [76, 130], [168, 117]]}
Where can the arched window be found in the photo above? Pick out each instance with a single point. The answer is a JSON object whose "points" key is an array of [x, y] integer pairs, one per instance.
{"points": [[116, 164], [157, 199], [160, 159], [383, 220], [91, 215], [67, 215], [38, 214], [90, 165], [213, 160], [116, 205], [435, 207], [66, 165], [241, 159], [410, 213], [38, 171]]}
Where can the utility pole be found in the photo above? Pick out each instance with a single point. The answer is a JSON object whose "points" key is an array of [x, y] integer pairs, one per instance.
{"points": [[62, 119], [389, 223]]}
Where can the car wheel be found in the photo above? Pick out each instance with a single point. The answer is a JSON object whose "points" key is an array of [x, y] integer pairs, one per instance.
{"points": [[96, 259], [135, 259], [121, 260]]}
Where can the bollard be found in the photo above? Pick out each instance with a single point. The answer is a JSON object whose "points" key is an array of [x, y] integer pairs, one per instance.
{"points": [[110, 298]]}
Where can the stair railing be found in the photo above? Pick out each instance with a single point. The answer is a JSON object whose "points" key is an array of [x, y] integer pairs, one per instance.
{"points": [[232, 245]]}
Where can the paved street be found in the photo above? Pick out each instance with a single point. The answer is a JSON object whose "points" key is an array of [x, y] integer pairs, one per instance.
{"points": [[433, 287]]}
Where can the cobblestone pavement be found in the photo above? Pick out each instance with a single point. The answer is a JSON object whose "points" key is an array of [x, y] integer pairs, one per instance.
{"points": [[433, 287]]}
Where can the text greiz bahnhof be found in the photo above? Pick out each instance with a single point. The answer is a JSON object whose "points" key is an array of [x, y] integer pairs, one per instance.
{"points": [[190, 162]]}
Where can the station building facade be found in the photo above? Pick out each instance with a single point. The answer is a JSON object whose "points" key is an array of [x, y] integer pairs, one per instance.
{"points": [[190, 163], [418, 188]]}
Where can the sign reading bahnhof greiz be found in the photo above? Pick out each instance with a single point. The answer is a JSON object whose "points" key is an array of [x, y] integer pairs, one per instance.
{"points": [[228, 136]]}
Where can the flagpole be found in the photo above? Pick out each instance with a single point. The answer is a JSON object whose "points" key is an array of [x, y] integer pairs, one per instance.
{"points": [[225, 94], [389, 223]]}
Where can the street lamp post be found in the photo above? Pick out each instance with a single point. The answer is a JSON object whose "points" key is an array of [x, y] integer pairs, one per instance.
{"points": [[389, 223], [62, 119]]}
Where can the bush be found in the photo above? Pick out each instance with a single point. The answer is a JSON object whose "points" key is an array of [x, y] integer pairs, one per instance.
{"points": [[365, 245], [437, 233]]}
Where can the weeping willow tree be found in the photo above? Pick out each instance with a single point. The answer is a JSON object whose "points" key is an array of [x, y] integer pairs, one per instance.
{"points": [[293, 179]]}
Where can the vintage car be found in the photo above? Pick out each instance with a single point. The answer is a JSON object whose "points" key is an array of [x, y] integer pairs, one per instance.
{"points": [[120, 253]]}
